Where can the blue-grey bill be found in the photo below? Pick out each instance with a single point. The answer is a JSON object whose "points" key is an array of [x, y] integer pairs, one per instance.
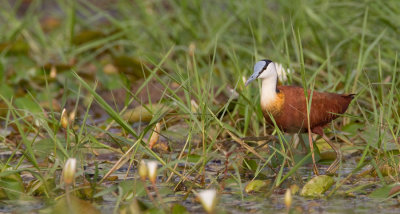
{"points": [[251, 79], [258, 68]]}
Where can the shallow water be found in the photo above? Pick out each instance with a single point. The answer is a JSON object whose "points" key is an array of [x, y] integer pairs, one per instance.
{"points": [[234, 200]]}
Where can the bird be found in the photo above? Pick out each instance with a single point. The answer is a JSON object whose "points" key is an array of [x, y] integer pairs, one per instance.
{"points": [[287, 106]]}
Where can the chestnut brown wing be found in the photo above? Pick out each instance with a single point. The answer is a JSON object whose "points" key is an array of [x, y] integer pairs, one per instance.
{"points": [[324, 108]]}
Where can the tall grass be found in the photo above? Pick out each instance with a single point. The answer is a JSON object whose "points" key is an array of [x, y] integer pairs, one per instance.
{"points": [[206, 49]]}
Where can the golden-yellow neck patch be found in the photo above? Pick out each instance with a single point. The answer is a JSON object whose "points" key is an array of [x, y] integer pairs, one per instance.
{"points": [[275, 106]]}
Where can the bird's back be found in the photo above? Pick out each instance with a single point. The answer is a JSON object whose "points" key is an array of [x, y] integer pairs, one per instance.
{"points": [[292, 116]]}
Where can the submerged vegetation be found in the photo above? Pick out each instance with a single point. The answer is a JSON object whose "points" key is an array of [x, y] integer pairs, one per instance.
{"points": [[145, 103]]}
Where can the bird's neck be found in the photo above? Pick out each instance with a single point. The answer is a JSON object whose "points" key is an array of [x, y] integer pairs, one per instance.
{"points": [[268, 91]]}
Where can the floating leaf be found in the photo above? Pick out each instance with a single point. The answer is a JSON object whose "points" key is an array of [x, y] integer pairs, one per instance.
{"points": [[11, 186], [251, 164], [87, 192], [135, 206], [74, 206], [87, 36], [352, 128], [178, 134], [379, 139], [27, 104], [6, 91], [17, 47], [382, 192], [317, 186], [130, 186], [385, 169], [44, 147], [109, 80], [326, 151], [178, 209], [323, 145], [40, 188], [135, 68], [143, 113], [193, 158], [328, 155], [256, 185]]}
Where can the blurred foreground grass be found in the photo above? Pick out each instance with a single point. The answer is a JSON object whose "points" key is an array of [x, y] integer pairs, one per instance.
{"points": [[121, 67]]}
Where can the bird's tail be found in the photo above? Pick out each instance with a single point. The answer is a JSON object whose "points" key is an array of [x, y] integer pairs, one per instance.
{"points": [[351, 95]]}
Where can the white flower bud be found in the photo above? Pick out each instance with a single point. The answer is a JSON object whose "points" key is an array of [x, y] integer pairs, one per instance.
{"points": [[53, 72], [152, 171], [64, 119], [69, 171], [143, 170], [155, 136], [288, 198], [208, 199]]}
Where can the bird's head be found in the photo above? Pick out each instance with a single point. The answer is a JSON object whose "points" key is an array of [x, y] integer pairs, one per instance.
{"points": [[262, 69]]}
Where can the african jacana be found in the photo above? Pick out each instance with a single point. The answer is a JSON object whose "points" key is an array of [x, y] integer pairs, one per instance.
{"points": [[287, 105]]}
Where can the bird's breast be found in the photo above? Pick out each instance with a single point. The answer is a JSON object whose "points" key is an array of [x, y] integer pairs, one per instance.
{"points": [[275, 106]]}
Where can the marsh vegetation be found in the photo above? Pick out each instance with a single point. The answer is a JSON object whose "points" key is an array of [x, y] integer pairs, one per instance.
{"points": [[163, 80]]}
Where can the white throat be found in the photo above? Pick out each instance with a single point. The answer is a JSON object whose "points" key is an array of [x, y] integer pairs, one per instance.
{"points": [[268, 90]]}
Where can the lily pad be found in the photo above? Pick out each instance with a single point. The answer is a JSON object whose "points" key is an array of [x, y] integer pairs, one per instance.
{"points": [[317, 186], [256, 185], [87, 36], [11, 186], [74, 205], [14, 48], [352, 128], [40, 188], [27, 103], [144, 113], [385, 191], [379, 139], [178, 209], [131, 66]]}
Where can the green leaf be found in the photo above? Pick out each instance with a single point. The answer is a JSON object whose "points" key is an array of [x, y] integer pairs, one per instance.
{"points": [[379, 138], [40, 188], [252, 164], [128, 186], [144, 112], [353, 128], [110, 81], [194, 158], [179, 209], [6, 91], [11, 186], [256, 185], [382, 192], [28, 104], [74, 205], [317, 186]]}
